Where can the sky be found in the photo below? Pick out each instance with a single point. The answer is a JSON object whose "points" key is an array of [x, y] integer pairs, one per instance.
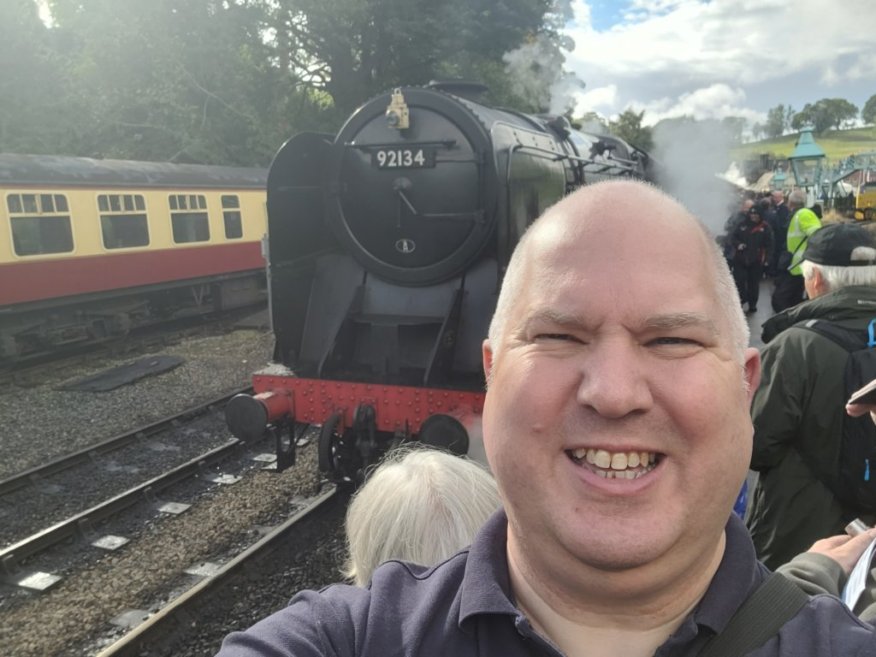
{"points": [[711, 59]]}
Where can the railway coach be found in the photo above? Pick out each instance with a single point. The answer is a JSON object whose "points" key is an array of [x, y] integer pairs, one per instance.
{"points": [[90, 249]]}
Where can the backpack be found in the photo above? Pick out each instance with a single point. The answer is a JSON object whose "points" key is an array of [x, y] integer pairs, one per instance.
{"points": [[854, 483]]}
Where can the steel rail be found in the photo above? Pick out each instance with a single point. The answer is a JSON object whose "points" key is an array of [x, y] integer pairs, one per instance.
{"points": [[81, 522], [178, 613], [33, 475]]}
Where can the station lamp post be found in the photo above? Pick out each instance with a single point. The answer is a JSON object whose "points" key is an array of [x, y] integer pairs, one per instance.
{"points": [[779, 179], [807, 162]]}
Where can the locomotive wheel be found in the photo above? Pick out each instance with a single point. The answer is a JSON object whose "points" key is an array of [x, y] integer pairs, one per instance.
{"points": [[328, 444], [339, 458]]}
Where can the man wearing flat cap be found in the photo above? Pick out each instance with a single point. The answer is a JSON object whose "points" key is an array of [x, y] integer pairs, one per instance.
{"points": [[798, 407]]}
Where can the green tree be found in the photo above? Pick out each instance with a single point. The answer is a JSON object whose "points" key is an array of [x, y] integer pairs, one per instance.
{"points": [[843, 113], [228, 81], [628, 126], [31, 83], [189, 81], [825, 113], [802, 117], [355, 49], [775, 122], [789, 116], [590, 122], [868, 112]]}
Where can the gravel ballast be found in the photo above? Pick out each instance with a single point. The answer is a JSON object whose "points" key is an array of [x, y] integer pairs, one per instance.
{"points": [[43, 423]]}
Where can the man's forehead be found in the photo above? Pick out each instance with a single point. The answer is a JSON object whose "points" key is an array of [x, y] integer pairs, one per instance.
{"points": [[544, 313], [610, 204], [564, 255], [588, 227]]}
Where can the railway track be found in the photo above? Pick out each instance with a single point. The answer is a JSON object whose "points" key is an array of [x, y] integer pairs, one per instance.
{"points": [[104, 593], [42, 472], [169, 631], [72, 495], [31, 370]]}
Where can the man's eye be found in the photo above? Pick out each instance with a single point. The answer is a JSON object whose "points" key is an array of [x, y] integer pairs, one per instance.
{"points": [[672, 340], [554, 336]]}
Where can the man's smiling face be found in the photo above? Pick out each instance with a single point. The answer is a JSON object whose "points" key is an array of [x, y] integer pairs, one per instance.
{"points": [[616, 419]]}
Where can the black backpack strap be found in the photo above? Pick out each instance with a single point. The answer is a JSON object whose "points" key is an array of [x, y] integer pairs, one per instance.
{"points": [[852, 489], [794, 252], [848, 339], [773, 604]]}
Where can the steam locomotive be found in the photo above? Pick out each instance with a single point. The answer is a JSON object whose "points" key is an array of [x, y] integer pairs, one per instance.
{"points": [[386, 249]]}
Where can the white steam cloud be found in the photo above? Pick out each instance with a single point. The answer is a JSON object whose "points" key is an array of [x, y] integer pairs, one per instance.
{"points": [[536, 71], [692, 154]]}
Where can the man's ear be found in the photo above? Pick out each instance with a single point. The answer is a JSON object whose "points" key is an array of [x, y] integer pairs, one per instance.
{"points": [[752, 371], [819, 283], [487, 357]]}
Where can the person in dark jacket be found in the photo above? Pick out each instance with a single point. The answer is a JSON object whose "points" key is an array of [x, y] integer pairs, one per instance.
{"points": [[789, 290], [752, 243], [779, 220], [797, 409], [736, 219]]}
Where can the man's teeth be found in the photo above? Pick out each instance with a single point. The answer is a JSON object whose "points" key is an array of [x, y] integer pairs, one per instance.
{"points": [[614, 465]]}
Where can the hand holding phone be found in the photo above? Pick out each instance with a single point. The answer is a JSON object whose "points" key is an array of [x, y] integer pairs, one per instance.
{"points": [[863, 397]]}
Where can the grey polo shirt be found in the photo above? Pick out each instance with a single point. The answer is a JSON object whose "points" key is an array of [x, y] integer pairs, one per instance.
{"points": [[463, 608]]}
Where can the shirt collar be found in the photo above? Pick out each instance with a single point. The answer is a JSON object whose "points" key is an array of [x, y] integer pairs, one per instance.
{"points": [[737, 575], [486, 587]]}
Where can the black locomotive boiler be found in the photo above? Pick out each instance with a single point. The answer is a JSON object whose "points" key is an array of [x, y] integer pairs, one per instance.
{"points": [[386, 248]]}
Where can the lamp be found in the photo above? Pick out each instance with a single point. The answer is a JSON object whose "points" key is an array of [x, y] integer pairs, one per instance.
{"points": [[778, 180], [397, 113], [807, 160]]}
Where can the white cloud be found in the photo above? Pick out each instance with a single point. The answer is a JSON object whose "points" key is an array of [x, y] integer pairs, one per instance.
{"points": [[670, 56], [863, 67], [716, 101], [600, 100]]}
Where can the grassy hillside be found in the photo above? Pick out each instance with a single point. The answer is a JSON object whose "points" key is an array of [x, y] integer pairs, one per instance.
{"points": [[835, 143]]}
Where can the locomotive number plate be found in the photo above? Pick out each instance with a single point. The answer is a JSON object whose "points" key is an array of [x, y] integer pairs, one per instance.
{"points": [[403, 158]]}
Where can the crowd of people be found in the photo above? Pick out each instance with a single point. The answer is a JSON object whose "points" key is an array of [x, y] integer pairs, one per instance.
{"points": [[766, 237], [622, 415]]}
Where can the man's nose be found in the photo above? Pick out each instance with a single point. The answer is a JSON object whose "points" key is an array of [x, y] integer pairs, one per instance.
{"points": [[613, 379]]}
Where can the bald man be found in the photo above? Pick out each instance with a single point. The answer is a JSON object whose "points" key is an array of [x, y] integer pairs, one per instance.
{"points": [[617, 426]]}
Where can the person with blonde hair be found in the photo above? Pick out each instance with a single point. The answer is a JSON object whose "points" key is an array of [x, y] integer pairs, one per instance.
{"points": [[419, 505]]}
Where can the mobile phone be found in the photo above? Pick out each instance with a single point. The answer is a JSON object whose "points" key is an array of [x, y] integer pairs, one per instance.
{"points": [[856, 526], [866, 395]]}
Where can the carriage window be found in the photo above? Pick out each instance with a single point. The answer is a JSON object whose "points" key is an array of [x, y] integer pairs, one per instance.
{"points": [[231, 215], [120, 226], [29, 202], [39, 223], [189, 225]]}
